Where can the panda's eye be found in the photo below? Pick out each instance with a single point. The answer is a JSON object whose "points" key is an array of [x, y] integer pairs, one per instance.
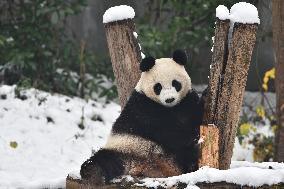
{"points": [[177, 85], [157, 88]]}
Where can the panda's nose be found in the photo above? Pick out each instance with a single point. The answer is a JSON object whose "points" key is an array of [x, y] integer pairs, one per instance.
{"points": [[169, 100]]}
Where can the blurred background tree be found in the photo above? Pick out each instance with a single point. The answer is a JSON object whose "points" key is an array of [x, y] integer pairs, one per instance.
{"points": [[37, 51], [51, 44], [33, 42]]}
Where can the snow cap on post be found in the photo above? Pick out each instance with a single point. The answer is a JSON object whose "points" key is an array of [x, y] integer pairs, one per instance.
{"points": [[222, 12], [244, 13], [116, 13]]}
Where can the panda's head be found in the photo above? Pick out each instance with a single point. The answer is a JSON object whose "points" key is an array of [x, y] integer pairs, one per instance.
{"points": [[165, 80]]}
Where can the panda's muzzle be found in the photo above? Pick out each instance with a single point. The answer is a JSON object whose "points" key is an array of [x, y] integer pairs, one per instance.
{"points": [[169, 100]]}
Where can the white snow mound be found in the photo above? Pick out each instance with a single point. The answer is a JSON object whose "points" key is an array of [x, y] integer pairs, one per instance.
{"points": [[40, 138], [253, 175], [245, 13], [222, 12], [117, 13]]}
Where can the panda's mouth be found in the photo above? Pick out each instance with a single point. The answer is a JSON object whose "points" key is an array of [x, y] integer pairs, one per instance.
{"points": [[169, 100], [169, 97]]}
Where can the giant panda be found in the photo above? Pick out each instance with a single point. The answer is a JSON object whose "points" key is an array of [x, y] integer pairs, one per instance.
{"points": [[156, 134]]}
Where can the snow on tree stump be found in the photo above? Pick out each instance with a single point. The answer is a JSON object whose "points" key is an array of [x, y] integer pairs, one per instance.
{"points": [[123, 48]]}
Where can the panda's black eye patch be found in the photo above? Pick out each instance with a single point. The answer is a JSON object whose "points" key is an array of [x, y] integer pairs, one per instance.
{"points": [[177, 85], [157, 88]]}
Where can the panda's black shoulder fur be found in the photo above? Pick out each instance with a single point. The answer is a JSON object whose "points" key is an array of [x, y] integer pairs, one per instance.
{"points": [[175, 129]]}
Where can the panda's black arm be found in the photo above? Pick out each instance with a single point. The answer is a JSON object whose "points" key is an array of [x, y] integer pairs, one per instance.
{"points": [[134, 116], [196, 101], [196, 105]]}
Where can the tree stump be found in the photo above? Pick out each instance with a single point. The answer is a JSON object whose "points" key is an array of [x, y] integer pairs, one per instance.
{"points": [[233, 87], [125, 56], [209, 148]]}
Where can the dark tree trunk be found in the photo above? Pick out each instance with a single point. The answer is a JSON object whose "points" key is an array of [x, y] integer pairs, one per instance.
{"points": [[278, 45]]}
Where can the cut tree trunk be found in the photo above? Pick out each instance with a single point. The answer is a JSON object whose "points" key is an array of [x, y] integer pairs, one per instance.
{"points": [[125, 56], [209, 150], [232, 89], [278, 45]]}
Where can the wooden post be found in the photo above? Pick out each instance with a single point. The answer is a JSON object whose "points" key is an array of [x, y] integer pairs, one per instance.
{"points": [[233, 87], [125, 56], [209, 133]]}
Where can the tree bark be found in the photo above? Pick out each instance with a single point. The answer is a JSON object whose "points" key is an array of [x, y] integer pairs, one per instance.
{"points": [[125, 56], [278, 45], [209, 146], [219, 61], [232, 89], [209, 149]]}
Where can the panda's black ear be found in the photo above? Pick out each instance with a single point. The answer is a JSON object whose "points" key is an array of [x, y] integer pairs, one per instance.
{"points": [[180, 57], [147, 63]]}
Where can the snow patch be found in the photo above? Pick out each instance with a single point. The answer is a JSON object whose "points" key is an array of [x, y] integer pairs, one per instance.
{"points": [[135, 34], [49, 142], [251, 176], [245, 13], [222, 12], [117, 13]]}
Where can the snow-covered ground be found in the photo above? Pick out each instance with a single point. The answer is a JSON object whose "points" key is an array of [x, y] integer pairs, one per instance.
{"points": [[241, 173], [41, 140]]}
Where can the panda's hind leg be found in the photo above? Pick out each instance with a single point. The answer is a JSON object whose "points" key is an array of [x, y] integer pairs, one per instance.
{"points": [[102, 167]]}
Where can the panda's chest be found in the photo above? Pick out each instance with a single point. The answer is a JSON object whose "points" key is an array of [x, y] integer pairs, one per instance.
{"points": [[173, 119]]}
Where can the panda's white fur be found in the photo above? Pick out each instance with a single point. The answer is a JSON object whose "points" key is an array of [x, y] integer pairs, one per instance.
{"points": [[163, 72], [133, 145]]}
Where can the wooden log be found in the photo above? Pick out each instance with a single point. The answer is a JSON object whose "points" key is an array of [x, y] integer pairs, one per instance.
{"points": [[209, 146], [233, 87], [225, 185], [125, 56], [77, 184]]}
